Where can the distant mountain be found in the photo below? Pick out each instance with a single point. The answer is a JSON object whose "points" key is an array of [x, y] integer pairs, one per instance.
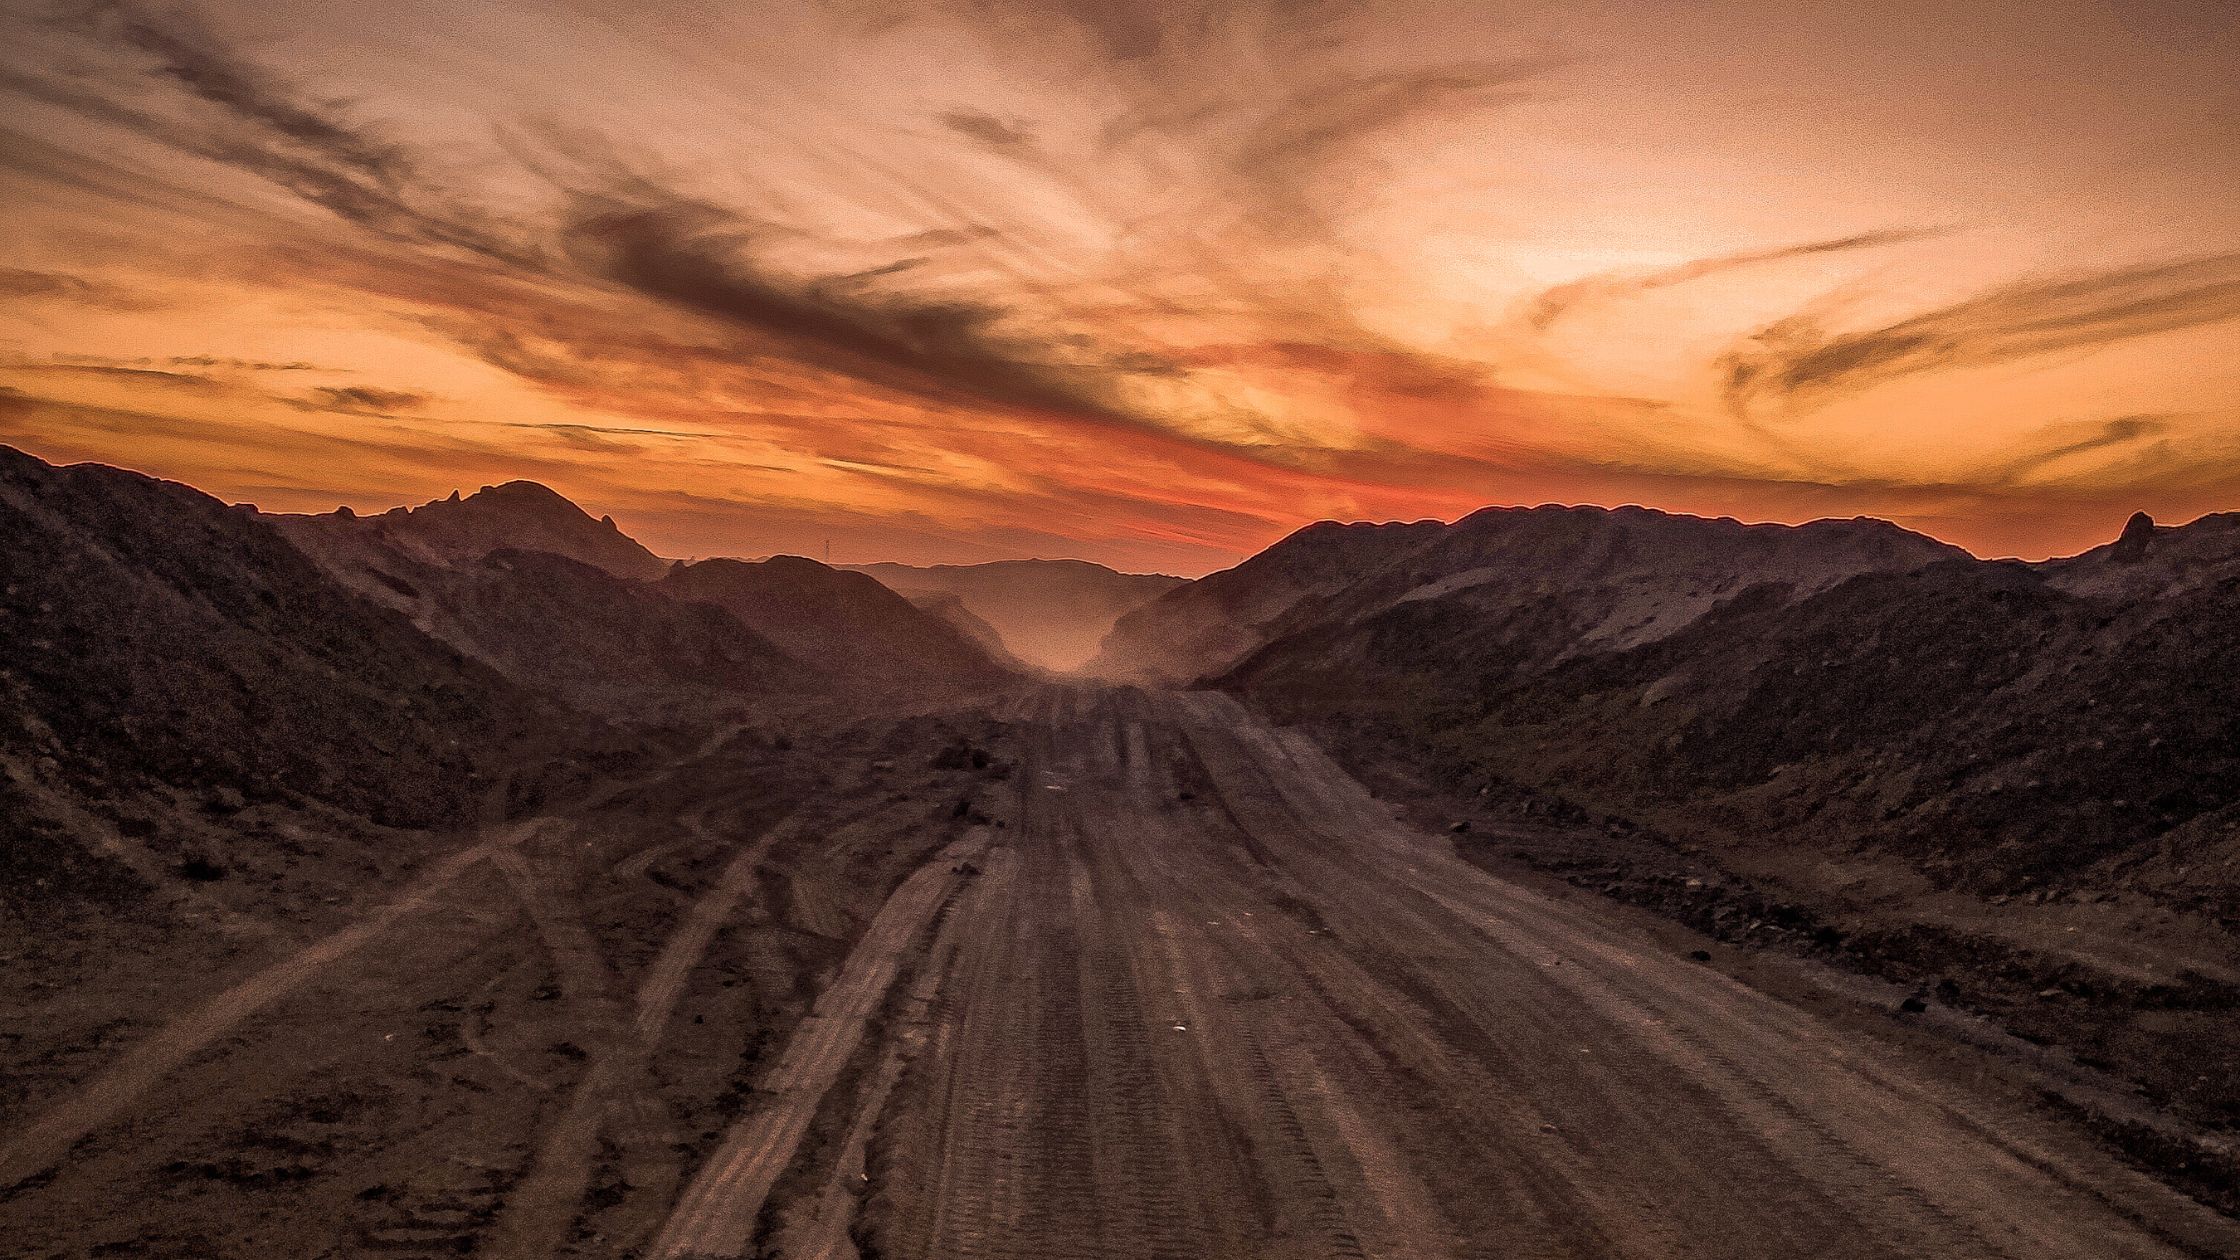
{"points": [[155, 641], [1560, 579], [554, 623], [952, 610], [2001, 726], [1050, 613], [844, 624], [516, 516], [1204, 627]]}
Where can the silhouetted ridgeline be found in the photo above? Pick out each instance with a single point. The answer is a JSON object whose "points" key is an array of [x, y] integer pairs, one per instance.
{"points": [[2004, 726], [156, 638], [168, 662], [552, 620], [844, 624]]}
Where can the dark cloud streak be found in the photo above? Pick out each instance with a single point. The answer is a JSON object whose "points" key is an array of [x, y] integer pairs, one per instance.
{"points": [[361, 400], [266, 126], [1796, 362], [2118, 431], [989, 131], [698, 258], [117, 371], [21, 283]]}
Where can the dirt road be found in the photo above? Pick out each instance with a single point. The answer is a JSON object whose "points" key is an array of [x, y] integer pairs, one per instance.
{"points": [[1185, 990], [1230, 1008]]}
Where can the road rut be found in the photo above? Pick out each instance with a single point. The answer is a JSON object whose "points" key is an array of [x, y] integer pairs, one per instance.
{"points": [[1233, 1008]]}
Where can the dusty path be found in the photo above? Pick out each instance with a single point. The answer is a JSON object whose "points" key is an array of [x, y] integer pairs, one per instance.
{"points": [[821, 1225], [540, 1209], [1189, 992], [717, 1213], [1233, 1009], [110, 1094]]}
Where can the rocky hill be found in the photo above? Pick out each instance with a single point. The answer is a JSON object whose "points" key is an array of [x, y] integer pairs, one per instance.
{"points": [[2151, 561], [2001, 727], [845, 625], [516, 516], [553, 623], [1052, 614], [1204, 627], [1561, 580], [979, 633], [159, 641]]}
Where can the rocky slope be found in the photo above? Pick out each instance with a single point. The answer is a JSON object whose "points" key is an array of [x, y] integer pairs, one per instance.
{"points": [[2153, 561], [1561, 580], [553, 622], [517, 516], [845, 625], [1052, 614], [2013, 789], [202, 707], [1203, 627], [2001, 727], [165, 657], [979, 633]]}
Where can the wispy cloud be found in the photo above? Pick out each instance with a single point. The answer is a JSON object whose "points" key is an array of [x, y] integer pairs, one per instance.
{"points": [[1796, 363], [895, 323], [1564, 299], [1286, 149], [117, 370], [1181, 271], [26, 284], [261, 123]]}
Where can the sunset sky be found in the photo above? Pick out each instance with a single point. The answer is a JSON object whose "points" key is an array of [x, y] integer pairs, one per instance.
{"points": [[1146, 284]]}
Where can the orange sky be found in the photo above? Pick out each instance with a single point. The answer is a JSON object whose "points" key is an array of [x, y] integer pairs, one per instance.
{"points": [[1149, 285]]}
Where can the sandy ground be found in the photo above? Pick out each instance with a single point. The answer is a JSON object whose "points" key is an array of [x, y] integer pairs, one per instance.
{"points": [[1153, 980]]}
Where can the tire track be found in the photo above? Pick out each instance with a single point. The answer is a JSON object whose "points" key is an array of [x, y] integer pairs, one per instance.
{"points": [[824, 1231], [717, 1213], [1415, 1059], [114, 1090], [610, 1095], [1757, 1082]]}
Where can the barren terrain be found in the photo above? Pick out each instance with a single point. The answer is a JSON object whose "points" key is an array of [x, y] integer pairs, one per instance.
{"points": [[1087, 973]]}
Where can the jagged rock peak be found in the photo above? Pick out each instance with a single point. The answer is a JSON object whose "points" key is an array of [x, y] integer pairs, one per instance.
{"points": [[2137, 536]]}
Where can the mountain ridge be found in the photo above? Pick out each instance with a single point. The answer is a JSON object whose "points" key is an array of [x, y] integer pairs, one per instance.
{"points": [[847, 624], [554, 623], [161, 639], [518, 515], [1052, 614], [1494, 558], [1998, 723]]}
